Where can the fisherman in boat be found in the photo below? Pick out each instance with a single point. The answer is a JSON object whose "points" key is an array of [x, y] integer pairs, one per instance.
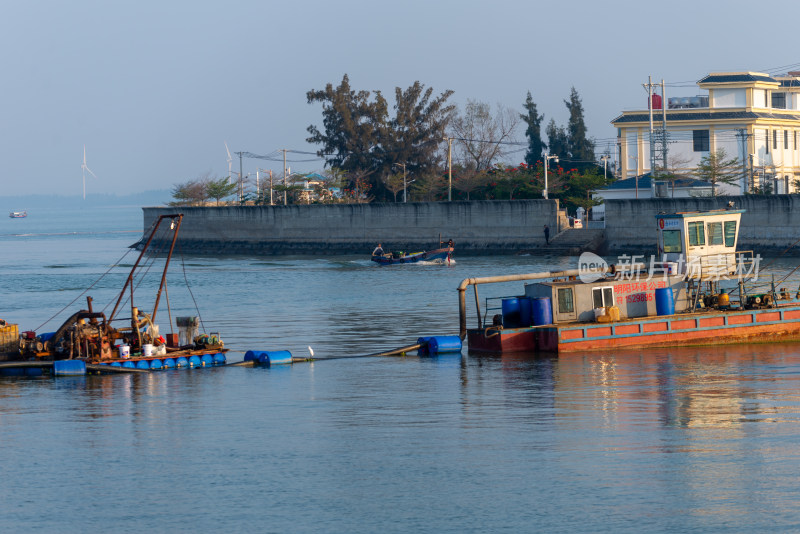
{"points": [[450, 244], [378, 250]]}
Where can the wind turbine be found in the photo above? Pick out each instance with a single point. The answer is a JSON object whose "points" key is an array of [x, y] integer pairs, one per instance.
{"points": [[230, 160], [85, 168]]}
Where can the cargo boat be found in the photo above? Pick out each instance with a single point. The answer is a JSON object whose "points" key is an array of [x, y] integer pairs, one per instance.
{"points": [[90, 340], [681, 299]]}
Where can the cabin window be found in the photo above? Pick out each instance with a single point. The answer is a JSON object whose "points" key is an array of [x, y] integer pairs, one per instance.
{"points": [[701, 142], [730, 233], [565, 302], [603, 296], [672, 240], [715, 233], [697, 236]]}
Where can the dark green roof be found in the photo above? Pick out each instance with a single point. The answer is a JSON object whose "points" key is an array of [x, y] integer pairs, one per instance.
{"points": [[644, 183], [734, 78], [707, 116]]}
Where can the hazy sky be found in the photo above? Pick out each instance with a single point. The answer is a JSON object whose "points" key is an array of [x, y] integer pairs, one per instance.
{"points": [[155, 88]]}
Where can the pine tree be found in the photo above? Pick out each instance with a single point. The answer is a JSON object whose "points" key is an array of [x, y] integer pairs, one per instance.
{"points": [[717, 169], [558, 140], [533, 132], [580, 148]]}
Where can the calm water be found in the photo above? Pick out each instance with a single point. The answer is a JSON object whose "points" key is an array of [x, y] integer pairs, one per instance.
{"points": [[674, 440]]}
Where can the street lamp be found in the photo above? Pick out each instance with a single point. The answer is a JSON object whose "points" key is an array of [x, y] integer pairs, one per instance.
{"points": [[605, 159], [404, 180], [547, 158], [636, 179]]}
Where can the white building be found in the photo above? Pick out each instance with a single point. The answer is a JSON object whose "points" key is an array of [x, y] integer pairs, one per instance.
{"points": [[753, 116]]}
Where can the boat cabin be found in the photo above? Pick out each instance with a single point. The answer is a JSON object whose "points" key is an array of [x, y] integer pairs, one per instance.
{"points": [[699, 244], [575, 300]]}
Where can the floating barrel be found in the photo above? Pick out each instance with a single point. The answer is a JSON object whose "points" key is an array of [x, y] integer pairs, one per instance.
{"points": [[195, 361], [69, 368], [156, 363], [442, 344], [665, 301], [525, 311], [542, 311], [207, 360], [116, 364], [219, 359], [423, 344], [13, 371], [182, 362], [169, 363], [129, 365], [142, 364], [511, 312], [268, 357], [34, 371]]}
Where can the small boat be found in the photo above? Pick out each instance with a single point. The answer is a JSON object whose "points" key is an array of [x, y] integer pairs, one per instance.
{"points": [[699, 291], [440, 255], [91, 341], [18, 214]]}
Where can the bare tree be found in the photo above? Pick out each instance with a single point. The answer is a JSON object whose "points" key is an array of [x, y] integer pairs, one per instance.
{"points": [[428, 185], [393, 183], [677, 168], [468, 180], [481, 135]]}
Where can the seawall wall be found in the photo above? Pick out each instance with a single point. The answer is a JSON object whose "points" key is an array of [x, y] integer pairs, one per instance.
{"points": [[770, 224], [477, 227]]}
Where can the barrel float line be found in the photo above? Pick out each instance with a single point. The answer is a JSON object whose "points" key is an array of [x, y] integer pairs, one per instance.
{"points": [[268, 357]]}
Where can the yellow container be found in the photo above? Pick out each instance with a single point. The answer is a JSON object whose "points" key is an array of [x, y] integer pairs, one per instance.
{"points": [[9, 338]]}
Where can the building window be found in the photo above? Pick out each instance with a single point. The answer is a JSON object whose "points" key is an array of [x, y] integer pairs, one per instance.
{"points": [[701, 140], [779, 100], [786, 139], [730, 233], [697, 235], [795, 140], [775, 139], [565, 301], [766, 145], [715, 233], [672, 241], [603, 297]]}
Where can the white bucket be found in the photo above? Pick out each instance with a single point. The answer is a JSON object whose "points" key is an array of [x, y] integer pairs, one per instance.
{"points": [[124, 351], [147, 350], [599, 312]]}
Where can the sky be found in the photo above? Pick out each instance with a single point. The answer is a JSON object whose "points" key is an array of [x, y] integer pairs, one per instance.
{"points": [[154, 89]]}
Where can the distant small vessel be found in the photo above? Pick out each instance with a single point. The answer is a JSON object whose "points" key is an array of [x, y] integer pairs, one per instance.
{"points": [[440, 255], [18, 214]]}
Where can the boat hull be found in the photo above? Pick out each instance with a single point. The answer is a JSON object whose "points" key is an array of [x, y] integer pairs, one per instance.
{"points": [[711, 328]]}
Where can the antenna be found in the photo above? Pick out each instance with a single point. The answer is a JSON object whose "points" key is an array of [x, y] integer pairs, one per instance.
{"points": [[85, 168], [230, 160]]}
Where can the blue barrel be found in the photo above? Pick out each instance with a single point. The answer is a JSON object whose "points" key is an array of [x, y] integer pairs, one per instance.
{"points": [[182, 362], [169, 363], [219, 358], [443, 344], [69, 368], [116, 364], [207, 359], [274, 357], [13, 371], [542, 311], [34, 371], [423, 344], [156, 363], [195, 361], [665, 301], [525, 311], [511, 313], [129, 365], [142, 364], [250, 355]]}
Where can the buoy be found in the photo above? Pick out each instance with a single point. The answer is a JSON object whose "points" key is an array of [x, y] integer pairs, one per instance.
{"points": [[169, 363], [195, 361], [268, 357], [116, 364], [444, 344], [207, 360], [219, 358], [142, 364], [182, 362], [129, 365], [155, 363]]}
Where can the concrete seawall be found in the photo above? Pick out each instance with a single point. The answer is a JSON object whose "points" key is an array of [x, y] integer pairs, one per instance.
{"points": [[477, 227], [770, 224]]}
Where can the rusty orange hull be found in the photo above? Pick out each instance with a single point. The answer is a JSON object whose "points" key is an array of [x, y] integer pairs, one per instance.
{"points": [[709, 328]]}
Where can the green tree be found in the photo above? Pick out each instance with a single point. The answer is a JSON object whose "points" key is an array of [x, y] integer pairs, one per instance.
{"points": [[578, 187], [717, 168], [558, 140], [581, 149], [220, 188], [533, 131], [358, 136]]}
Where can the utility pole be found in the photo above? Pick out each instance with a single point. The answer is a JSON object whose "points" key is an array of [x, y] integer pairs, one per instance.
{"points": [[404, 180], [605, 159], [658, 137], [284, 176], [744, 137], [241, 178], [449, 169], [270, 188]]}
